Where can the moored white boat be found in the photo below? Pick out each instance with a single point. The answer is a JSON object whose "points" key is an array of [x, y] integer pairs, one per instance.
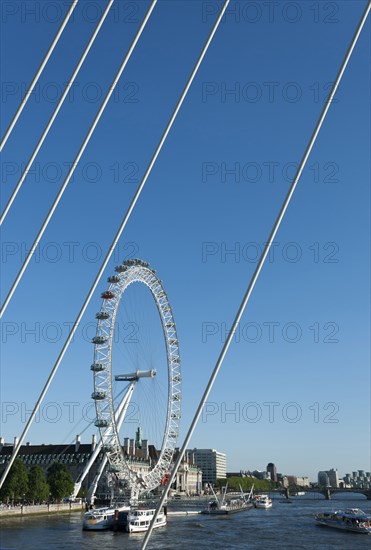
{"points": [[262, 501], [100, 519], [351, 519], [139, 519], [231, 506]]}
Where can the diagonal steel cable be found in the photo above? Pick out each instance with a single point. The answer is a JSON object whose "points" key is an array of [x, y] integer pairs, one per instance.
{"points": [[55, 113], [76, 161], [114, 242], [37, 75], [257, 272], [72, 332]]}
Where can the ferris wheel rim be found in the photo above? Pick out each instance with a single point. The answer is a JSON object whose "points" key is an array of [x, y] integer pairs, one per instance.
{"points": [[128, 273]]}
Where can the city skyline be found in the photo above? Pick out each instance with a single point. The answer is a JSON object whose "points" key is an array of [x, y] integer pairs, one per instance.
{"points": [[295, 383], [245, 469]]}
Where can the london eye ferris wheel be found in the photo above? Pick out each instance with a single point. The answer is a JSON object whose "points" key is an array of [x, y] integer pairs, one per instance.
{"points": [[112, 412]]}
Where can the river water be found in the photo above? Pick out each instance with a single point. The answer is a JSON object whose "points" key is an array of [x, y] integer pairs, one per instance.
{"points": [[284, 526]]}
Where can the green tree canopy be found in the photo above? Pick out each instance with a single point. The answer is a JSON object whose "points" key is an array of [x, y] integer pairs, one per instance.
{"points": [[38, 488], [16, 483], [246, 483], [60, 481]]}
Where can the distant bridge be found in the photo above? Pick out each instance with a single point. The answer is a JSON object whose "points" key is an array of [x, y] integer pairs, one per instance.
{"points": [[327, 492]]}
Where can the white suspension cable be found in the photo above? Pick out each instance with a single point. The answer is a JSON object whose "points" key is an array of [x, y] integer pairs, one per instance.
{"points": [[37, 76], [75, 162], [73, 330], [111, 249], [256, 274], [55, 113]]}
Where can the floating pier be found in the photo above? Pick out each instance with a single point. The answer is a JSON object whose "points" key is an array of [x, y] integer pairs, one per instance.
{"points": [[184, 513]]}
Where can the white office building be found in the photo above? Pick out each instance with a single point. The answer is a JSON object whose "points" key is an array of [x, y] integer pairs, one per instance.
{"points": [[323, 479], [212, 463], [333, 477], [328, 478]]}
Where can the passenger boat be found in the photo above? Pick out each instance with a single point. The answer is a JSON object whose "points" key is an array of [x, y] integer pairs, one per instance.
{"points": [[351, 519], [139, 519], [232, 506], [99, 519], [262, 501]]}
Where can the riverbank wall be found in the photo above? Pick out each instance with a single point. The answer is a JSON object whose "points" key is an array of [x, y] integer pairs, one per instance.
{"points": [[26, 510]]}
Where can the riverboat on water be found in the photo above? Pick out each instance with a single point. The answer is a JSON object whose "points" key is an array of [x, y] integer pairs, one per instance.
{"points": [[351, 519], [262, 501], [139, 519], [221, 505], [100, 519], [123, 517]]}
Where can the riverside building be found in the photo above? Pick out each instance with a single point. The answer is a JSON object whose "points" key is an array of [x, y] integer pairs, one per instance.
{"points": [[77, 455], [211, 462]]}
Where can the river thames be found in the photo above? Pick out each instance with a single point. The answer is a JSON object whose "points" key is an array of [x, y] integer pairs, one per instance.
{"points": [[283, 526]]}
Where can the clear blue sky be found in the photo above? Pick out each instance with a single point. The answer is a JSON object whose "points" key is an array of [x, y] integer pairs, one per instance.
{"points": [[297, 379]]}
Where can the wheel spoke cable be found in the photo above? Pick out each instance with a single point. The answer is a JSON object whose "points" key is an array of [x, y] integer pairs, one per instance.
{"points": [[55, 113], [37, 75], [116, 238], [75, 162], [256, 273]]}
